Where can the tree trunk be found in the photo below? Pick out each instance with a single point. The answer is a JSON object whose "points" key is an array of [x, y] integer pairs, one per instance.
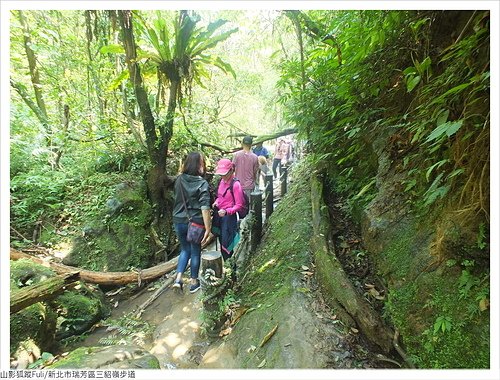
{"points": [[91, 72], [60, 149], [40, 109], [23, 92], [141, 95], [103, 278], [157, 146], [43, 291], [158, 184], [337, 284], [34, 73]]}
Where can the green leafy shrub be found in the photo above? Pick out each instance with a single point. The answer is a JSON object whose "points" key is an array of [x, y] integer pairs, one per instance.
{"points": [[37, 194]]}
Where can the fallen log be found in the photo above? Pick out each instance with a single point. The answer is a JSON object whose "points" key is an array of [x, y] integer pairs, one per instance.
{"points": [[335, 281], [155, 295], [102, 278], [45, 290]]}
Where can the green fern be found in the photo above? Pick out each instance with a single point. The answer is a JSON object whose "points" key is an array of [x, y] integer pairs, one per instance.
{"points": [[127, 330]]}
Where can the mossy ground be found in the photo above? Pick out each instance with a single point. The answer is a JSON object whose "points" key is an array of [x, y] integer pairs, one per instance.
{"points": [[272, 278]]}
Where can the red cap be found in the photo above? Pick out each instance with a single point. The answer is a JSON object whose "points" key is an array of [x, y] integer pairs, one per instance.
{"points": [[224, 166]]}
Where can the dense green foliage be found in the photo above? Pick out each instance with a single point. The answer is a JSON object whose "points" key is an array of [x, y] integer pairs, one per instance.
{"points": [[381, 99], [399, 78], [62, 174], [403, 98]]}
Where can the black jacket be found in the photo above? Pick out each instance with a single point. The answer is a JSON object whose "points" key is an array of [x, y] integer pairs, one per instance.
{"points": [[197, 198]]}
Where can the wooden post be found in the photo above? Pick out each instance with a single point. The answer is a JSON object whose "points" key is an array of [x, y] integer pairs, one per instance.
{"points": [[256, 233], [283, 179], [269, 195], [212, 260], [214, 288]]}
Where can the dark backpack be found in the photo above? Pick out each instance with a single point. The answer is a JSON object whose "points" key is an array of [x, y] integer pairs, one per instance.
{"points": [[246, 203]]}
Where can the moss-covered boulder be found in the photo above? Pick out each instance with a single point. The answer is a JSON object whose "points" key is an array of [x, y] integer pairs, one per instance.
{"points": [[44, 323], [118, 239], [35, 324], [123, 357], [79, 310]]}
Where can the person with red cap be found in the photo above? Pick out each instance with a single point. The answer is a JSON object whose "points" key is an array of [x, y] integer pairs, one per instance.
{"points": [[229, 202]]}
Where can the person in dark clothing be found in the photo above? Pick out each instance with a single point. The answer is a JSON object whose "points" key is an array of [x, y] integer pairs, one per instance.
{"points": [[194, 188], [261, 150]]}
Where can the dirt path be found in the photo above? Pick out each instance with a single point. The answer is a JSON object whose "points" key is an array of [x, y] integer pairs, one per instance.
{"points": [[175, 318], [177, 343], [309, 335]]}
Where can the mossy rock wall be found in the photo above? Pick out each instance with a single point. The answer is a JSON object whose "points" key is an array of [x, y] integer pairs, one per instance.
{"points": [[437, 300], [120, 238]]}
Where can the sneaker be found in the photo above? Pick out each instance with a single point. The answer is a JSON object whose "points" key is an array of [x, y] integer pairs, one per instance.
{"points": [[194, 287], [178, 285]]}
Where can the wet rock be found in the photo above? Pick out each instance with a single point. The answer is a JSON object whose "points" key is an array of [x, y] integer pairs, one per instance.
{"points": [[114, 206]]}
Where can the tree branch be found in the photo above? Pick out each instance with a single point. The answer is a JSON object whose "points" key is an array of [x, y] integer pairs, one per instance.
{"points": [[256, 140], [23, 92]]}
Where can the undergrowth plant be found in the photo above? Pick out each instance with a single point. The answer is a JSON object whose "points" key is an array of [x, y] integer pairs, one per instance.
{"points": [[127, 330]]}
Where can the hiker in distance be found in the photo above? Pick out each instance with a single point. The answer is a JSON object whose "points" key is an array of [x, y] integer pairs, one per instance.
{"points": [[246, 166], [282, 155], [261, 150], [191, 217]]}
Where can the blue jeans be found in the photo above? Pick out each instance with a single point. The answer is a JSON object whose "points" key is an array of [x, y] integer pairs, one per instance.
{"points": [[276, 165], [189, 251]]}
